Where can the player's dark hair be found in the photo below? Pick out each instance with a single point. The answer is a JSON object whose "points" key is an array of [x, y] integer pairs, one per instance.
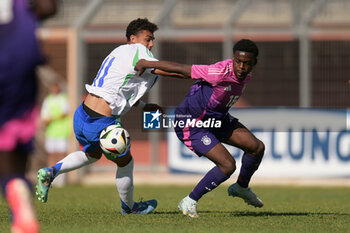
{"points": [[138, 25], [246, 45]]}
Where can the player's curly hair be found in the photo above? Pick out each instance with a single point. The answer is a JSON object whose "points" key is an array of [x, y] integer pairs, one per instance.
{"points": [[246, 45], [138, 25]]}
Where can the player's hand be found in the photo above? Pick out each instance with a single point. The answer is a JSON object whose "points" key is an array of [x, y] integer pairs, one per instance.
{"points": [[140, 67], [152, 107]]}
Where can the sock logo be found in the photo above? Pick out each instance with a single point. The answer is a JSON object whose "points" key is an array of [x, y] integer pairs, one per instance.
{"points": [[213, 183]]}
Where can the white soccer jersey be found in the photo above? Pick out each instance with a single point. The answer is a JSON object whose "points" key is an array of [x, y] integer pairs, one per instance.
{"points": [[117, 81]]}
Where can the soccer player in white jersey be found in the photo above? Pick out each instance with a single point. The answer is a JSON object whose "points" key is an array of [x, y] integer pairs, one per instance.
{"points": [[115, 89]]}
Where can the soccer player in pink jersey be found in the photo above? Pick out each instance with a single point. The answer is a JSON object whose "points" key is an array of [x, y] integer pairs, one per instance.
{"points": [[218, 87], [19, 56]]}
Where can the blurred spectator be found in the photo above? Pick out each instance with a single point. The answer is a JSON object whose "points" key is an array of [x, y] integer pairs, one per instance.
{"points": [[55, 118]]}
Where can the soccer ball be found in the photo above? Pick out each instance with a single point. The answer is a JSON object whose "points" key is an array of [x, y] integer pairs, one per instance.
{"points": [[114, 141]]}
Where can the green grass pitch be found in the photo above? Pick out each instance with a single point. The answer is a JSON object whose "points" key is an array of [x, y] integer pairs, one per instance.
{"points": [[77, 209]]}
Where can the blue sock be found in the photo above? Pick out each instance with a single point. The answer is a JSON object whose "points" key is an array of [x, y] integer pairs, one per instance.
{"points": [[209, 182], [250, 164], [56, 168]]}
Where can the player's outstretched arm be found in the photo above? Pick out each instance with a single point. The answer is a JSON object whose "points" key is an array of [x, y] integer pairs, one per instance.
{"points": [[168, 74], [164, 68]]}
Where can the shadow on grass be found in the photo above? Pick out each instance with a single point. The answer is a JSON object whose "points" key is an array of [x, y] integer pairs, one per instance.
{"points": [[270, 213], [259, 214]]}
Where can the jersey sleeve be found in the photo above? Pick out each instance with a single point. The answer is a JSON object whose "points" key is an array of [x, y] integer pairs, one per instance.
{"points": [[145, 53], [6, 11], [209, 73]]}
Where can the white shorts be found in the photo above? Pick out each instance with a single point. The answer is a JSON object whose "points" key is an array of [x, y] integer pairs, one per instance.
{"points": [[56, 145]]}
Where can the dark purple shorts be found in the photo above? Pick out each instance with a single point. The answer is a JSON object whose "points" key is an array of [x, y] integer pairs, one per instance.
{"points": [[202, 139]]}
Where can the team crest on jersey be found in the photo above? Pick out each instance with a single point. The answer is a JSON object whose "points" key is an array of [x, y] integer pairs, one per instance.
{"points": [[206, 140]]}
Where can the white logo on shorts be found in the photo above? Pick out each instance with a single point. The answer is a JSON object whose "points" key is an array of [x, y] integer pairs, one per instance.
{"points": [[206, 140]]}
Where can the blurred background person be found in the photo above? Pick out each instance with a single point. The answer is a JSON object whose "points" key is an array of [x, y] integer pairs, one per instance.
{"points": [[55, 119], [19, 57]]}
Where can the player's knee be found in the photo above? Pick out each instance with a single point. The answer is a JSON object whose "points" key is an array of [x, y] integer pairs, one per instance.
{"points": [[97, 154], [229, 167], [124, 160], [259, 149]]}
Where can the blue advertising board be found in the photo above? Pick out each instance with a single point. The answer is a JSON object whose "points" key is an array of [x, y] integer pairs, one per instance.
{"points": [[298, 143]]}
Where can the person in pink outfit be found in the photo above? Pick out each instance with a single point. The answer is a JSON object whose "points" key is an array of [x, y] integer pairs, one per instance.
{"points": [[203, 122], [19, 57]]}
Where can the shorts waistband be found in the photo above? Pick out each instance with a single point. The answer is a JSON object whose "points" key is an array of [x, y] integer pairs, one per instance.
{"points": [[91, 112]]}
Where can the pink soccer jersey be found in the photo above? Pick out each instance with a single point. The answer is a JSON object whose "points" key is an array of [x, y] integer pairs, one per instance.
{"points": [[224, 89]]}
